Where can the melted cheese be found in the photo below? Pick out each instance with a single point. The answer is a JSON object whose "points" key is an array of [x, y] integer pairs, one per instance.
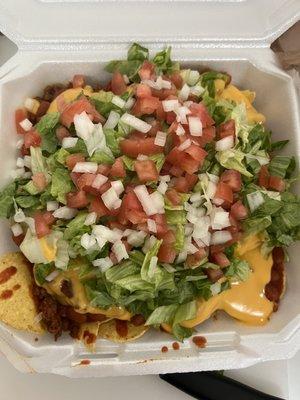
{"points": [[70, 95], [79, 300], [233, 93], [48, 250], [245, 301]]}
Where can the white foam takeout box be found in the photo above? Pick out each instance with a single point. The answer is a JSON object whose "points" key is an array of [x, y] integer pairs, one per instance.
{"points": [[58, 38]]}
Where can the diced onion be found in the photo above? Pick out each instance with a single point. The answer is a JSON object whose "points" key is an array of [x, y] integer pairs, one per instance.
{"points": [[185, 145], [182, 256], [52, 205], [255, 200], [195, 126], [182, 113], [196, 197], [69, 142], [219, 218], [184, 92], [38, 318], [170, 105], [19, 215], [213, 178], [26, 124], [197, 90], [142, 157], [211, 190], [136, 238], [99, 181], [158, 202], [164, 178], [220, 237], [90, 219], [165, 84], [17, 173], [87, 241], [217, 201], [27, 175], [65, 213], [119, 250], [83, 125], [112, 120], [191, 248], [118, 187], [27, 162], [215, 288], [225, 144], [117, 101], [54, 274], [20, 143], [30, 104], [17, 229], [169, 268], [129, 103], [160, 138], [105, 233], [201, 227], [180, 130], [145, 199], [86, 167], [31, 224], [151, 225], [162, 187], [136, 123], [193, 77], [103, 263], [20, 162], [111, 199], [152, 266], [126, 79]]}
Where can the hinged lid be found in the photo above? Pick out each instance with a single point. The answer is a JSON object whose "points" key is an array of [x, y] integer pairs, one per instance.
{"points": [[76, 24]]}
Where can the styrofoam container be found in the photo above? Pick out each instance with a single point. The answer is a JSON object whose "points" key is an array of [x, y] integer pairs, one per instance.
{"points": [[57, 39]]}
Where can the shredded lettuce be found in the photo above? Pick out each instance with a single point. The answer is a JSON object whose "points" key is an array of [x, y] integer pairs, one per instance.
{"points": [[61, 184], [238, 270], [232, 159], [7, 200], [145, 267], [46, 128]]}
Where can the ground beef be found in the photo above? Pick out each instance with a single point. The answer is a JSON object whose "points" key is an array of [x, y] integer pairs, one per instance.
{"points": [[52, 91]]}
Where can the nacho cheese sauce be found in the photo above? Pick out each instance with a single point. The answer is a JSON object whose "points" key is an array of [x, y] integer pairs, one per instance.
{"points": [[245, 301]]}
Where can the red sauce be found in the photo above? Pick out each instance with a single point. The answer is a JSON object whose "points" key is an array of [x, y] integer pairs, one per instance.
{"points": [[89, 337], [200, 341], [121, 328], [6, 294], [175, 346], [16, 287], [85, 362], [6, 274], [138, 320], [164, 349]]}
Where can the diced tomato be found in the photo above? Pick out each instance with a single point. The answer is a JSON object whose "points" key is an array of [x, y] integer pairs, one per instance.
{"points": [[49, 218], [239, 211], [181, 185], [226, 129], [176, 171], [143, 91], [166, 253], [160, 113], [41, 226], [73, 159], [161, 224], [61, 133], [113, 258], [118, 169], [235, 225], [133, 148], [129, 202], [145, 106], [20, 115], [115, 225], [199, 110], [168, 237], [170, 117], [118, 85], [218, 248], [136, 216], [24, 151], [156, 126], [78, 81], [77, 107], [85, 180], [98, 207], [176, 79], [264, 177], [189, 164], [233, 179], [39, 180], [224, 192], [208, 135], [191, 179], [196, 152], [146, 170], [174, 156], [164, 93], [147, 70], [104, 187], [173, 197], [103, 169], [276, 183], [75, 176], [77, 199], [220, 259], [32, 138], [194, 259]]}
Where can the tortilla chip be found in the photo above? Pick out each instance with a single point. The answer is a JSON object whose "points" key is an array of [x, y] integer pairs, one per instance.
{"points": [[88, 334], [108, 331], [17, 307]]}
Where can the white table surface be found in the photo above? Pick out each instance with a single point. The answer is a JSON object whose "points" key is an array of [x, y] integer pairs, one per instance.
{"points": [[280, 378]]}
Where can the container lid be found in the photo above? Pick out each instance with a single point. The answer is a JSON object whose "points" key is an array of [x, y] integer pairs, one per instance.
{"points": [[102, 23]]}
